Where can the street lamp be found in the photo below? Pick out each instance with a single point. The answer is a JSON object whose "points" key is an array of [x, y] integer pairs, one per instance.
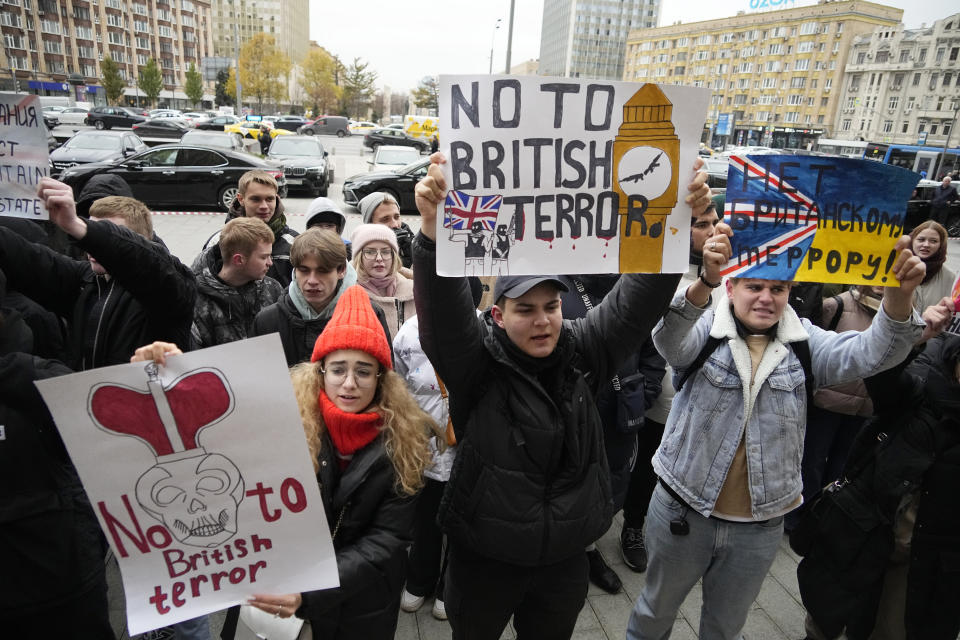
{"points": [[492, 37]]}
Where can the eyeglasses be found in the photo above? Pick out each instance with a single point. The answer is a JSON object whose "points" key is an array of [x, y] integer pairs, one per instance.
{"points": [[363, 377], [373, 254]]}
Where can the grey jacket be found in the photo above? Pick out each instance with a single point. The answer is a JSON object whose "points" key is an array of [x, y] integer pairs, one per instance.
{"points": [[716, 405]]}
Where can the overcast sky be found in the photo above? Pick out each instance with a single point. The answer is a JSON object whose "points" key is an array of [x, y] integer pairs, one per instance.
{"points": [[404, 41]]}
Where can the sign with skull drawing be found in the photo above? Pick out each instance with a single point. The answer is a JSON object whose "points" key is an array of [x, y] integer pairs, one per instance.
{"points": [[200, 476]]}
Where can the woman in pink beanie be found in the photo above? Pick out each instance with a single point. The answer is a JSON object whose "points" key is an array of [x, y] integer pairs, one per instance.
{"points": [[368, 441], [377, 261]]}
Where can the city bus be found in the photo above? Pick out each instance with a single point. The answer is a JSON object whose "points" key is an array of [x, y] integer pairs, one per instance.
{"points": [[922, 159]]}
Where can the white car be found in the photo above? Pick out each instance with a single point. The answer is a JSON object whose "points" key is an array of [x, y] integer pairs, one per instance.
{"points": [[73, 115], [359, 128], [390, 157]]}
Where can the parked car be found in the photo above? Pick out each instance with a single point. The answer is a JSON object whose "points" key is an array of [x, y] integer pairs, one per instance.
{"points": [[52, 110], [304, 161], [396, 125], [217, 123], [76, 114], [50, 120], [380, 137], [176, 175], [94, 146], [161, 128], [326, 125], [291, 123], [399, 183], [358, 128], [390, 157], [137, 111], [918, 209], [214, 140], [195, 117], [251, 129], [109, 117]]}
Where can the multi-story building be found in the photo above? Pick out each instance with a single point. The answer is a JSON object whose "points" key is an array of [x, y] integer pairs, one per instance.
{"points": [[288, 21], [588, 40], [55, 48], [775, 75], [902, 85]]}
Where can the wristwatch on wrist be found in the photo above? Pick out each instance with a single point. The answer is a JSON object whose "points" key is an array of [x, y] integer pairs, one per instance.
{"points": [[709, 284]]}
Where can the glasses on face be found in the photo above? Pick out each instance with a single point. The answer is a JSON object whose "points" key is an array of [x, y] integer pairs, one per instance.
{"points": [[363, 377], [373, 254]]}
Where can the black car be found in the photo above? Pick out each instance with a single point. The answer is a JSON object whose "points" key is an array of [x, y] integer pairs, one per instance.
{"points": [[399, 183], [108, 117], [305, 163], [94, 146], [178, 176], [161, 128], [290, 123], [379, 137], [918, 209], [217, 123]]}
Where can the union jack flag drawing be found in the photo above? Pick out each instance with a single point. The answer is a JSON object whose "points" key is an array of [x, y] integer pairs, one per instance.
{"points": [[461, 210], [770, 234]]}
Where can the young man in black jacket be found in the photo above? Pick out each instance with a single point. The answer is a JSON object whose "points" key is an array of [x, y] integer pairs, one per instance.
{"points": [[129, 292], [530, 488]]}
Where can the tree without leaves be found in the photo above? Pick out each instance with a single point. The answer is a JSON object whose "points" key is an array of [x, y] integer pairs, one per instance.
{"points": [[263, 70], [194, 85], [358, 86], [113, 83], [223, 97], [427, 94], [150, 81], [320, 80]]}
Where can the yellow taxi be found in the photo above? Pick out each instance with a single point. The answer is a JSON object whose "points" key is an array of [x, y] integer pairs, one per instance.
{"points": [[251, 129]]}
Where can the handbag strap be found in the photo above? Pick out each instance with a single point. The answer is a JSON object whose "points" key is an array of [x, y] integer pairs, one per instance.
{"points": [[450, 435], [585, 298]]}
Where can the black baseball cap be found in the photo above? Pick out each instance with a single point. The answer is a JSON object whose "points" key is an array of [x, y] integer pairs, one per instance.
{"points": [[516, 286]]}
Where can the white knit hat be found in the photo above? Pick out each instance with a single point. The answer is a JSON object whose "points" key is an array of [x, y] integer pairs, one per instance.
{"points": [[367, 233]]}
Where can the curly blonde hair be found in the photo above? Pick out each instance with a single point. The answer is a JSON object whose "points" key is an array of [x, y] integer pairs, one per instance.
{"points": [[405, 427]]}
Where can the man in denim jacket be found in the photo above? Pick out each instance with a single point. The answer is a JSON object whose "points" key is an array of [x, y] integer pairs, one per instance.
{"points": [[729, 461]]}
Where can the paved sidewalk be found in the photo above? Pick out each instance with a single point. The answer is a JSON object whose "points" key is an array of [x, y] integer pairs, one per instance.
{"points": [[777, 613]]}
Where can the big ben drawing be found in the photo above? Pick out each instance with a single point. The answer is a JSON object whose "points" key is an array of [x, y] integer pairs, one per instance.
{"points": [[645, 156]]}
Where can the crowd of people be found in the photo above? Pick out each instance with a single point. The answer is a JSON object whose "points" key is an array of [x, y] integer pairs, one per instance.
{"points": [[472, 454]]}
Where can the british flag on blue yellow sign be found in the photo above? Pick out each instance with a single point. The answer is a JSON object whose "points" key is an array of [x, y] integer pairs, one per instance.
{"points": [[815, 219]]}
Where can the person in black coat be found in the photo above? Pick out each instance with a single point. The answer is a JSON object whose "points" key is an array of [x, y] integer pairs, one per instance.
{"points": [[368, 439], [530, 488], [131, 291], [51, 549], [881, 552]]}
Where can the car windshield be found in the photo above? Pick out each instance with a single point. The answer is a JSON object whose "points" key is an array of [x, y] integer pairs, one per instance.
{"points": [[411, 167], [396, 156], [293, 147], [92, 141]]}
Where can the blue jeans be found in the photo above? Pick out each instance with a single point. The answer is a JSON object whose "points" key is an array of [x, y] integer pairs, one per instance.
{"points": [[193, 629], [732, 558]]}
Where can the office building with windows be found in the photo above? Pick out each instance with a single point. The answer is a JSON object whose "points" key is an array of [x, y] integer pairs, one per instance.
{"points": [[288, 21], [775, 75], [588, 39], [56, 48], [902, 86]]}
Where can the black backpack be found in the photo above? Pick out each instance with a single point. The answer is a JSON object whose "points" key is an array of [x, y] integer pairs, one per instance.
{"points": [[801, 349]]}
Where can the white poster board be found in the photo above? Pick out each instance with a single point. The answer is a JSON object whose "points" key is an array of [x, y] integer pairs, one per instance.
{"points": [[24, 158], [200, 476], [561, 175]]}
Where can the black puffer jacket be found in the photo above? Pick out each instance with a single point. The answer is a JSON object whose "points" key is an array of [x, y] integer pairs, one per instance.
{"points": [[50, 545], [372, 527], [281, 270], [530, 485], [841, 577], [150, 295], [224, 313]]}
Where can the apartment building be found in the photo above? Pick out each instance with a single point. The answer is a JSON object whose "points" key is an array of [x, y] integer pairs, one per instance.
{"points": [[288, 21], [902, 86], [775, 75], [588, 39], [55, 48]]}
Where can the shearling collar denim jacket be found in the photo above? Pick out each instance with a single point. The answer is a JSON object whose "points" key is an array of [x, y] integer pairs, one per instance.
{"points": [[715, 406]]}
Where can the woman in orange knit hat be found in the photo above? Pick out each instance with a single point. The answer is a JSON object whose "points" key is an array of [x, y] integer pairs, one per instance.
{"points": [[368, 439]]}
